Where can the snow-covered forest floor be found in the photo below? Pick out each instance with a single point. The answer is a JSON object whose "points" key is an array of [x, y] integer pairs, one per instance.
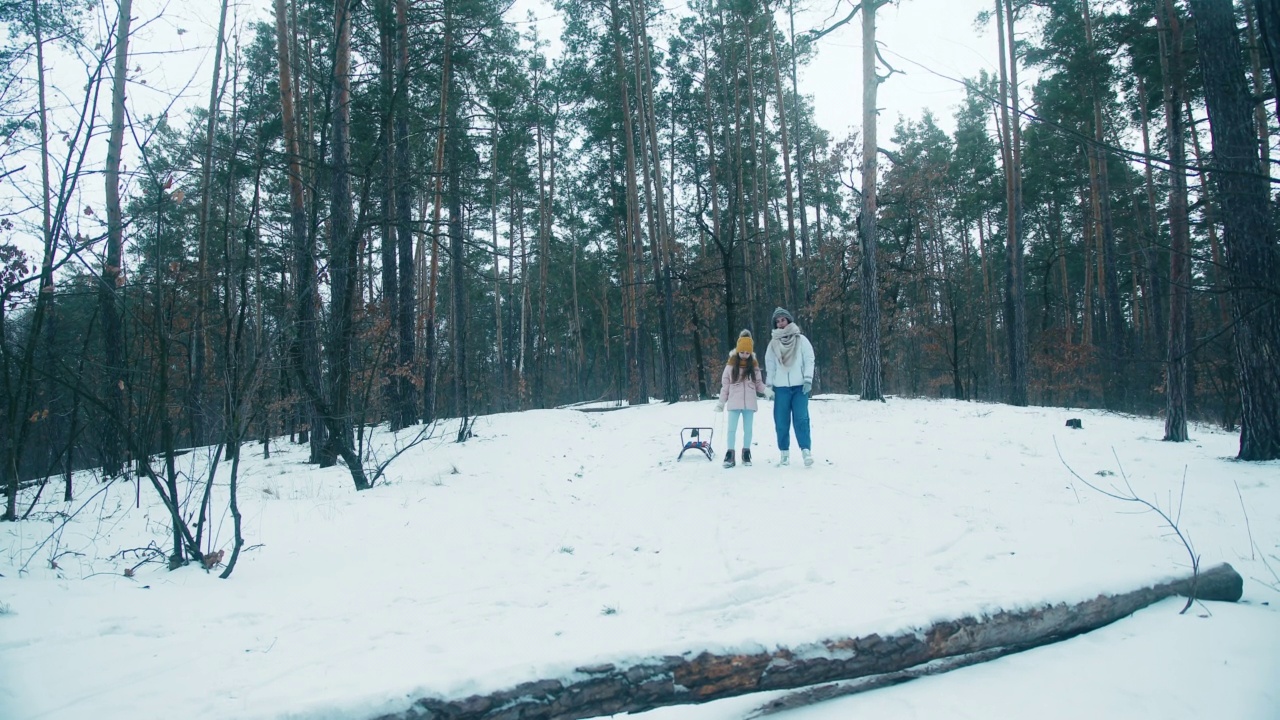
{"points": [[556, 539]]}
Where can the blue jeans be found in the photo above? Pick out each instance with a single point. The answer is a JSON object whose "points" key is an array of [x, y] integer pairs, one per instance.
{"points": [[748, 416], [791, 404]]}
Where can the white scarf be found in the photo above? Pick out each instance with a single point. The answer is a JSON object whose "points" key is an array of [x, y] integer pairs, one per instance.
{"points": [[784, 344]]}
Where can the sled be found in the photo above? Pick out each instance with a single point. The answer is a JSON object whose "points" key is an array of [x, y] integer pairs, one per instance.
{"points": [[696, 438]]}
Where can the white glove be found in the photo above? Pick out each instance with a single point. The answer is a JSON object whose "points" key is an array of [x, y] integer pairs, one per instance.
{"points": [[768, 393], [719, 407]]}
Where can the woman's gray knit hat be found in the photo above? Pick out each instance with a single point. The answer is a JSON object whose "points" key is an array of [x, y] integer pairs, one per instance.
{"points": [[781, 312]]}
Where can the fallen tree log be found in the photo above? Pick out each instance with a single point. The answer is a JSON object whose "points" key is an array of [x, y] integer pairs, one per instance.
{"points": [[815, 694], [685, 679]]}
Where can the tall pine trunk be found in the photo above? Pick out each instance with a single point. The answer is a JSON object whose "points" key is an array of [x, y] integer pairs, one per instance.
{"points": [[389, 82], [662, 243], [867, 224], [343, 258], [793, 276], [306, 353], [1110, 285], [1155, 291], [404, 221], [1015, 283], [1249, 241], [636, 385], [458, 320], [1175, 420]]}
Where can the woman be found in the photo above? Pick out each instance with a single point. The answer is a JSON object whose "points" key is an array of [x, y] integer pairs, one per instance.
{"points": [[789, 364]]}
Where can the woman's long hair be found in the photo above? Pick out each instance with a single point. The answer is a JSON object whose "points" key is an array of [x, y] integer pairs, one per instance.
{"points": [[738, 364]]}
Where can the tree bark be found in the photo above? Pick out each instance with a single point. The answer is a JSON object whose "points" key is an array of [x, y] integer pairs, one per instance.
{"points": [[458, 280], [636, 386], [195, 394], [1249, 242], [1169, 26], [112, 330], [793, 276], [304, 260], [610, 688], [1155, 285], [1110, 284], [867, 222], [17, 402], [390, 83], [1015, 284], [500, 363], [344, 284], [798, 134], [661, 243], [428, 342], [404, 220]]}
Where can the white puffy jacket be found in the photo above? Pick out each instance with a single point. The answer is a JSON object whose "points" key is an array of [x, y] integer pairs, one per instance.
{"points": [[800, 372]]}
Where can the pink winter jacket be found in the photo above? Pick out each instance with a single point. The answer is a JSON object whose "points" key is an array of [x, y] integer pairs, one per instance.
{"points": [[741, 395]]}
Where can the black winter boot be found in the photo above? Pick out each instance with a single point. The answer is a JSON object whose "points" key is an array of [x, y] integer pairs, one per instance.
{"points": [[728, 459], [746, 457]]}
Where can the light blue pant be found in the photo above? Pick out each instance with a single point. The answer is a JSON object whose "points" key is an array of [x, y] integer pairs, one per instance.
{"points": [[790, 403], [748, 416]]}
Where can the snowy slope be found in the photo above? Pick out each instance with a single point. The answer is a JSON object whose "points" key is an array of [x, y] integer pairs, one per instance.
{"points": [[558, 538]]}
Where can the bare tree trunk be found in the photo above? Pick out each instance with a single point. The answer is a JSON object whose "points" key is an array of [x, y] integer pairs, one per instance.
{"points": [[1249, 240], [1155, 287], [433, 237], [458, 319], [304, 259], [635, 371], [1175, 420], [871, 374], [662, 242], [112, 330], [713, 187], [795, 130], [195, 394], [544, 253], [162, 328], [580, 353], [17, 401], [1015, 284], [390, 85], [1116, 345], [500, 362], [344, 257], [988, 311], [1221, 289], [404, 219], [793, 273], [759, 191]]}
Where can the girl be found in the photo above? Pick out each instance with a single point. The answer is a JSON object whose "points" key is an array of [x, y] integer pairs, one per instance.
{"points": [[739, 384]]}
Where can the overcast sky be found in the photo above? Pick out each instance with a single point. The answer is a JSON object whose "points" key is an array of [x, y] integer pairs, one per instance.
{"points": [[924, 39]]}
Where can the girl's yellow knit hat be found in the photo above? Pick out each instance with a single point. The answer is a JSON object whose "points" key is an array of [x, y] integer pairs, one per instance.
{"points": [[745, 343]]}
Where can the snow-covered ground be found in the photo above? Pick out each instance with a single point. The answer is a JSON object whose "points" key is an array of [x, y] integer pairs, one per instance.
{"points": [[555, 539]]}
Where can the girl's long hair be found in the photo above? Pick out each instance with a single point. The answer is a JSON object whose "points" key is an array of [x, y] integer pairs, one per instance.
{"points": [[738, 364]]}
